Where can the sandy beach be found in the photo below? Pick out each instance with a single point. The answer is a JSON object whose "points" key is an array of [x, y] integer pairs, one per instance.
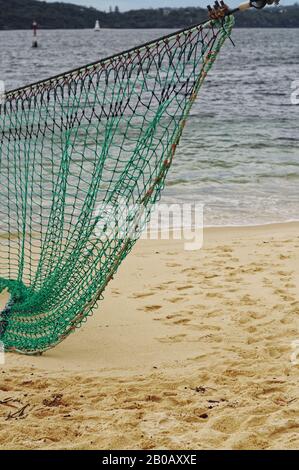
{"points": [[188, 350]]}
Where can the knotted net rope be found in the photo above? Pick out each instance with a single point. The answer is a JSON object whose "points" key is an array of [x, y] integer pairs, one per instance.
{"points": [[73, 147]]}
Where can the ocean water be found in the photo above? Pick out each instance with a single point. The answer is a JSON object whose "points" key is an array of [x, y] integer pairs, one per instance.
{"points": [[239, 155]]}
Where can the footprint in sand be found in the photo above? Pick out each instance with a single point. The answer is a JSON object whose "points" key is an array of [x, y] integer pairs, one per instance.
{"points": [[227, 424], [172, 339], [141, 295], [285, 273], [284, 295], [151, 308], [211, 276], [214, 295], [284, 257], [175, 300], [190, 270], [175, 315], [115, 292], [164, 285], [225, 249], [185, 287], [248, 300], [173, 265], [183, 321]]}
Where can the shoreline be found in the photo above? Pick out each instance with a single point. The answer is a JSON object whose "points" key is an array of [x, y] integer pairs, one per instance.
{"points": [[267, 224]]}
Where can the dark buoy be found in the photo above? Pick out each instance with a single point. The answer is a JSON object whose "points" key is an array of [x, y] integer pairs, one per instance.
{"points": [[34, 28]]}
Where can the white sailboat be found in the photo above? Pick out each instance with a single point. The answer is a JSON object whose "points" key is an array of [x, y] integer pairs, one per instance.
{"points": [[97, 26]]}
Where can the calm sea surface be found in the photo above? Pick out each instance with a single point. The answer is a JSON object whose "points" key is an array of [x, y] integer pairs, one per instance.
{"points": [[240, 152]]}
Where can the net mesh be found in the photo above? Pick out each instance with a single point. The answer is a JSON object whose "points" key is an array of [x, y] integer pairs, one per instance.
{"points": [[73, 148]]}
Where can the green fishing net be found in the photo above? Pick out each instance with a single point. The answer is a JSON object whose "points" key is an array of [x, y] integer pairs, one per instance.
{"points": [[83, 158]]}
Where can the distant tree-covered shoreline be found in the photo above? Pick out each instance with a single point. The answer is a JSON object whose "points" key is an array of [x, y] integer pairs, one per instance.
{"points": [[19, 14]]}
